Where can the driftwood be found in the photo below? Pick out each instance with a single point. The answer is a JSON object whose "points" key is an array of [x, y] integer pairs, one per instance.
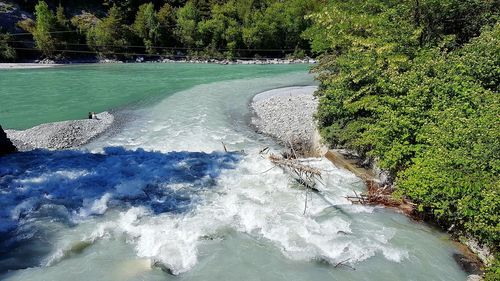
{"points": [[343, 263], [303, 174], [294, 165], [381, 195]]}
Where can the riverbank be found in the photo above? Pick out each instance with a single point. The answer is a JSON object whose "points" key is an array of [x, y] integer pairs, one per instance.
{"points": [[26, 65], [287, 114], [50, 63], [61, 135]]}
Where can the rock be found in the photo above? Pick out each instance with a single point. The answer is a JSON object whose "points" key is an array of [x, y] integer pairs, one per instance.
{"points": [[474, 277], [467, 264], [6, 145], [482, 252]]}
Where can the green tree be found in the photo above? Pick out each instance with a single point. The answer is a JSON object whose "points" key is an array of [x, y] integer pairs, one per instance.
{"points": [[222, 31], [187, 21], [61, 19], [7, 52], [147, 26], [44, 25], [109, 35], [278, 25], [401, 85], [167, 19]]}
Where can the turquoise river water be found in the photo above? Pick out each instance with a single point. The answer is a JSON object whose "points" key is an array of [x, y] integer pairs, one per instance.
{"points": [[157, 199]]}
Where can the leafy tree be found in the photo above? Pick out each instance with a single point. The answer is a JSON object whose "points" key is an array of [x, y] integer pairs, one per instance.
{"points": [[399, 85], [462, 19], [84, 22], [61, 19], [167, 19], [7, 52], [222, 30], [278, 25], [44, 25], [109, 35], [147, 26], [187, 21]]}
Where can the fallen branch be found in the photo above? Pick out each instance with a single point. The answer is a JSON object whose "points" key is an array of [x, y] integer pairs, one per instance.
{"points": [[342, 263], [294, 165], [381, 195]]}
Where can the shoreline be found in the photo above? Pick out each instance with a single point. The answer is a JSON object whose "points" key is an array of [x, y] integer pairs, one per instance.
{"points": [[28, 65], [272, 116], [62, 134], [286, 115], [49, 63]]}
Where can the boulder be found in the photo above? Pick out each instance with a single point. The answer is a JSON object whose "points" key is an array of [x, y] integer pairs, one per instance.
{"points": [[6, 145]]}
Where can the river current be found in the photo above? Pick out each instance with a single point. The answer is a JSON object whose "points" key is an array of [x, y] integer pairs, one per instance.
{"points": [[157, 198]]}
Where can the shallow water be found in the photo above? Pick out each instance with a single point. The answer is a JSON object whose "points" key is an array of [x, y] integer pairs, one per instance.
{"points": [[34, 96], [110, 213]]}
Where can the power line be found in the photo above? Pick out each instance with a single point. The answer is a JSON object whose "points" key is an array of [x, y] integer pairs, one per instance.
{"points": [[160, 47], [50, 32]]}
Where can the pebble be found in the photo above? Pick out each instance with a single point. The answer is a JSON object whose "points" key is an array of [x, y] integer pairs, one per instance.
{"points": [[287, 115], [61, 135]]}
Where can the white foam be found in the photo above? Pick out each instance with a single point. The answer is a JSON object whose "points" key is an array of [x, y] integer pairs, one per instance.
{"points": [[263, 206], [96, 207]]}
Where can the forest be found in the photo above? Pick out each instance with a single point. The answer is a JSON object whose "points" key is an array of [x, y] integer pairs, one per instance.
{"points": [[411, 85], [199, 29]]}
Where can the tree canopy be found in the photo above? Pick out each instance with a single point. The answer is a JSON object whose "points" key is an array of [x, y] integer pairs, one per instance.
{"points": [[414, 86], [200, 28]]}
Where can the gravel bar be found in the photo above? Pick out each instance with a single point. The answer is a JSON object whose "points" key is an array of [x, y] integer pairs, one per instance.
{"points": [[286, 114], [61, 135]]}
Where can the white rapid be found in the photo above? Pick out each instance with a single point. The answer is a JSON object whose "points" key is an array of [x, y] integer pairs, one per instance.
{"points": [[250, 225]]}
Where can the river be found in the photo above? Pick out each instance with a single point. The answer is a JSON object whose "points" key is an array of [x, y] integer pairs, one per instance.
{"points": [[157, 190]]}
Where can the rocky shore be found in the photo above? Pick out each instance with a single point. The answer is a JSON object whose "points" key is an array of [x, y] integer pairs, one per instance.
{"points": [[25, 65], [286, 114], [61, 135], [6, 145], [51, 63]]}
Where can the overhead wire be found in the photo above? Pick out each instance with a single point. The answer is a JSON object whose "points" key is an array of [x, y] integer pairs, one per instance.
{"points": [[163, 47]]}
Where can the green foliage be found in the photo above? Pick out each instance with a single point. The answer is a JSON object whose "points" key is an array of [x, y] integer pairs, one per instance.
{"points": [[493, 272], [7, 52], [400, 84], [147, 26], [279, 25], [187, 21], [166, 19], [109, 35], [27, 25], [222, 30], [84, 22], [61, 19], [462, 19], [208, 28], [45, 23]]}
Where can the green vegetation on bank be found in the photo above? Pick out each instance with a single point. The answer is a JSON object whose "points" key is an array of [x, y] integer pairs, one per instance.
{"points": [[414, 85], [195, 28]]}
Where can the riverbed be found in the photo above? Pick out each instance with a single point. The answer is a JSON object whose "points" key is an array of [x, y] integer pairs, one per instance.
{"points": [[157, 198]]}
